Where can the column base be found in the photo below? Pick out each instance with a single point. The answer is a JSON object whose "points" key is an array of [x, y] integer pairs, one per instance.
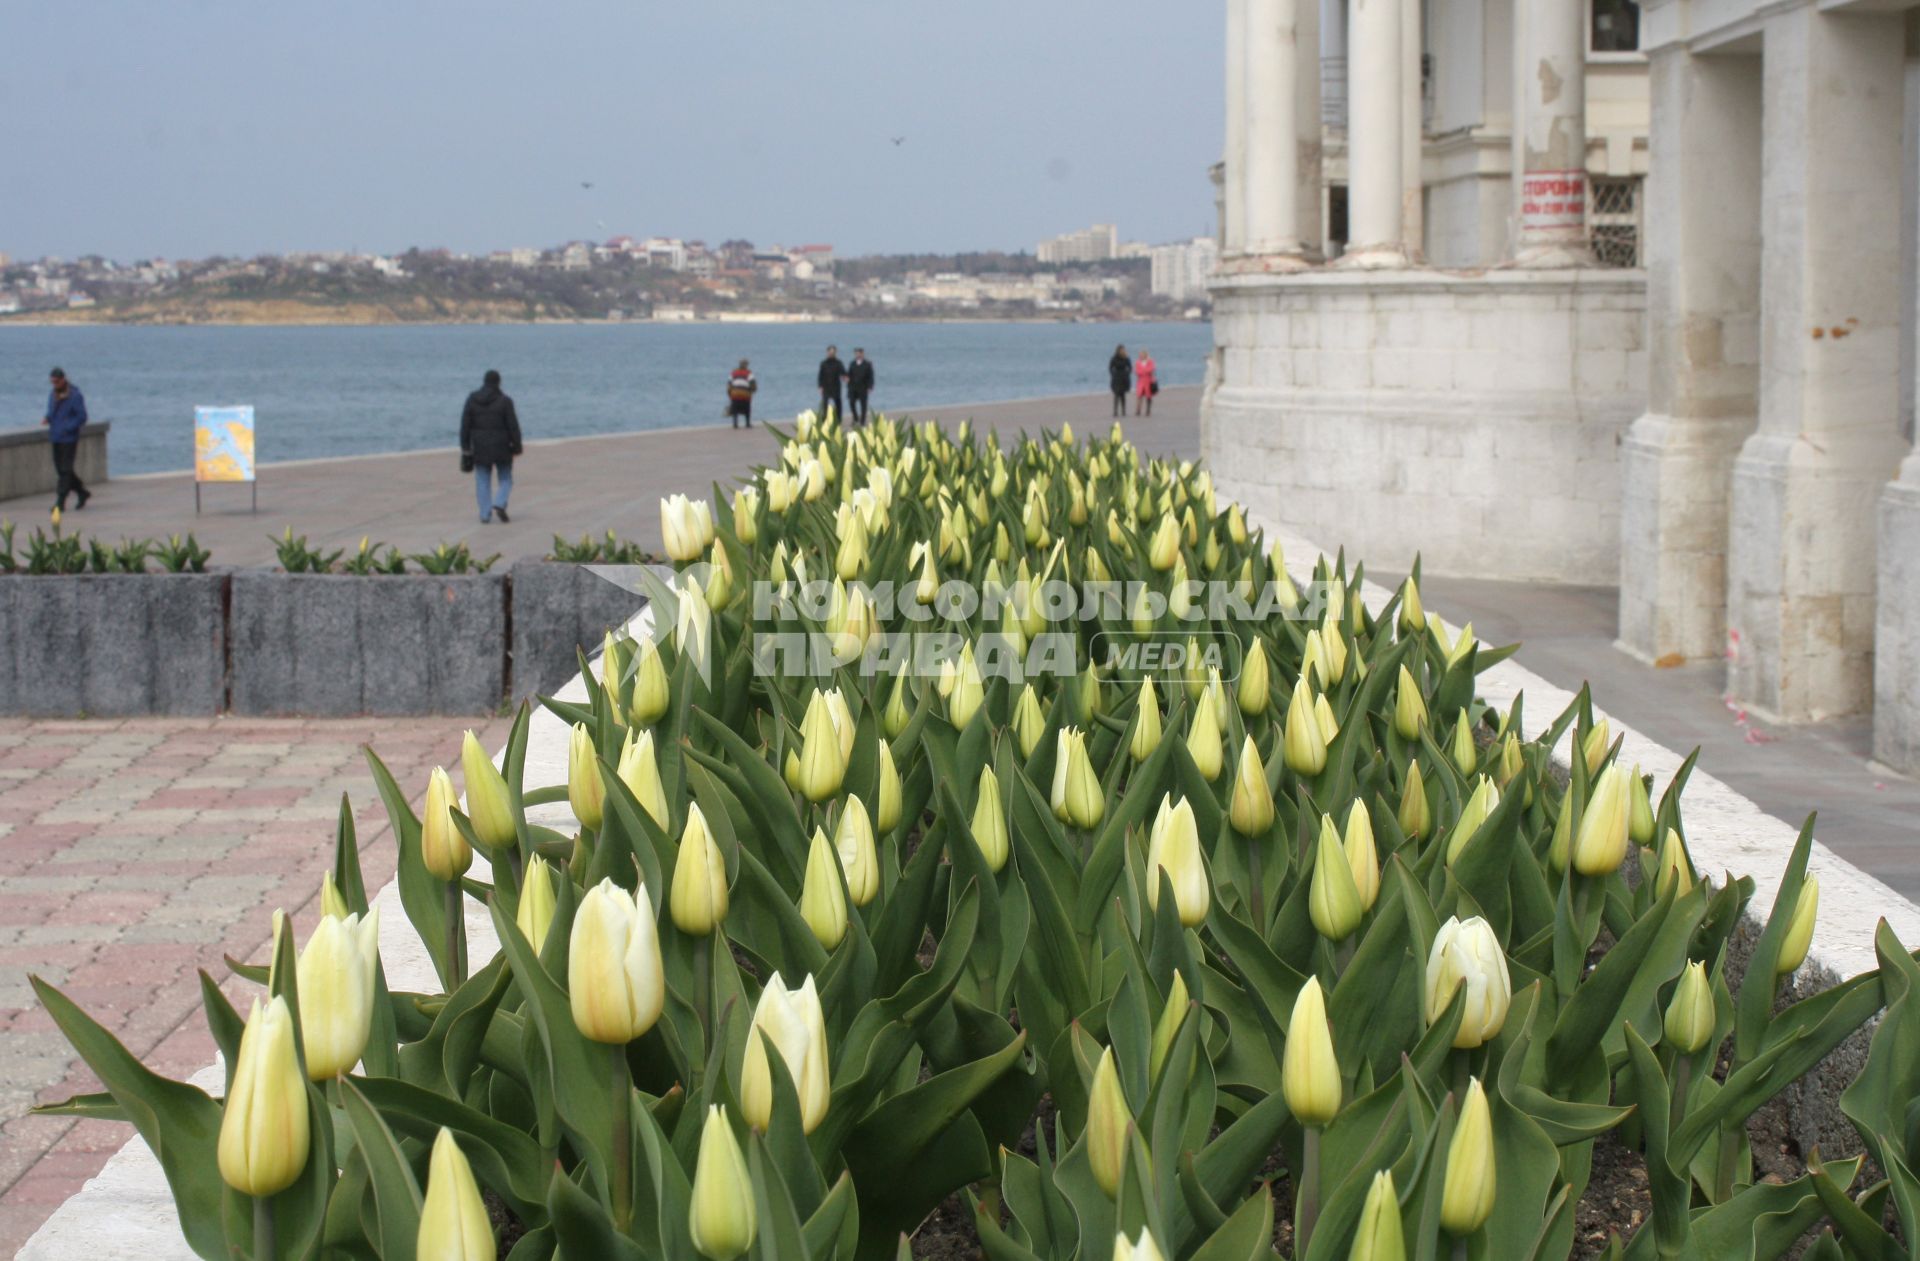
{"points": [[1675, 474], [1896, 646], [1801, 571], [1551, 257], [1372, 258], [1274, 262]]}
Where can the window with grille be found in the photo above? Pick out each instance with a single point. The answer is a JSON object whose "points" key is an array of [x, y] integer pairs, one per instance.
{"points": [[1614, 222], [1615, 26]]}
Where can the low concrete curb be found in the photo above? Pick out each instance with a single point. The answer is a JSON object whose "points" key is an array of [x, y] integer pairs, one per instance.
{"points": [[112, 645], [558, 609], [26, 467], [336, 645]]}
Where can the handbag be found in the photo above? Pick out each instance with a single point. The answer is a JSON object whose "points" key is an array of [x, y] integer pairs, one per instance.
{"points": [[466, 461], [1156, 387]]}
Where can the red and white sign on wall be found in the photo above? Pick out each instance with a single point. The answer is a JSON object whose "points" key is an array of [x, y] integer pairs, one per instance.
{"points": [[1553, 199]]}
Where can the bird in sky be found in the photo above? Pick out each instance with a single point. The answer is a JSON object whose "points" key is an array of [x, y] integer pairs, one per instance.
{"points": [[898, 141], [586, 183]]}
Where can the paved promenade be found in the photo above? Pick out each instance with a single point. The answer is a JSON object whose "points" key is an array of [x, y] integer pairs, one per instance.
{"points": [[420, 499]]}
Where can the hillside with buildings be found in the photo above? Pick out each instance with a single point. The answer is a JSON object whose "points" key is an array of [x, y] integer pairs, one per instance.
{"points": [[1086, 275]]}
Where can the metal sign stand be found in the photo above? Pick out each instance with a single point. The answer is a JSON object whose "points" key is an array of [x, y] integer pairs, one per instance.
{"points": [[254, 484]]}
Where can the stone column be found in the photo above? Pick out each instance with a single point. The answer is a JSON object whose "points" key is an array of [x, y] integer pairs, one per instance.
{"points": [[1703, 311], [1896, 643], [1309, 222], [1234, 159], [1413, 230], [1552, 97], [1273, 155], [1801, 565], [1375, 115]]}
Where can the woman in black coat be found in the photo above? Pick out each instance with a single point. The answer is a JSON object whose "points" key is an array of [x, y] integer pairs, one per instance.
{"points": [[1120, 378], [489, 439]]}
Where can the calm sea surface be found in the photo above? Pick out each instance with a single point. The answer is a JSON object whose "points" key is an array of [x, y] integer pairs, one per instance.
{"points": [[351, 391]]}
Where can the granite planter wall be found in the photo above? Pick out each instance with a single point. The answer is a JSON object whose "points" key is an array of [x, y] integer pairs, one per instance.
{"points": [[331, 644], [560, 608], [113, 645], [26, 467]]}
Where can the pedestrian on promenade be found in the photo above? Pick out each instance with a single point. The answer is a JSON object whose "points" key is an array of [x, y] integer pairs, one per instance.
{"points": [[859, 385], [1120, 377], [832, 373], [66, 416], [489, 439], [741, 387], [1146, 384]]}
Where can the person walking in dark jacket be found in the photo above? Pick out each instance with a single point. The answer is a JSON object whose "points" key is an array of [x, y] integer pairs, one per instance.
{"points": [[832, 373], [66, 416], [489, 439], [1120, 378], [859, 385]]}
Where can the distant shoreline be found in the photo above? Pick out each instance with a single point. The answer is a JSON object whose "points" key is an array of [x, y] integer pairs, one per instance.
{"points": [[22, 321]]}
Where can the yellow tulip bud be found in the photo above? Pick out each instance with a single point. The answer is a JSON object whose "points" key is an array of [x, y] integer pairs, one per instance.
{"points": [[1483, 802], [1600, 843], [332, 904], [640, 772], [585, 791], [1305, 749], [895, 718], [1595, 746], [1639, 810], [969, 690], [1142, 1249], [1167, 1028], [1690, 1016], [1309, 1073], [265, 1129], [1255, 681], [335, 975], [1077, 797], [853, 841], [1799, 938], [746, 515], [454, 1224], [989, 825], [443, 848], [1195, 674], [1109, 1122], [1511, 763], [1380, 1236], [1560, 851], [1236, 525], [1313, 661], [1409, 707], [1413, 618], [1146, 723], [1029, 724], [1088, 683], [697, 899], [792, 1023], [1333, 646], [1467, 953], [1251, 809], [1465, 754], [489, 807], [1466, 1196], [1415, 816], [822, 904], [1203, 739], [886, 806], [1165, 546], [1363, 858], [1323, 719], [1333, 901], [615, 979], [721, 1222], [822, 763], [681, 530], [535, 914], [1173, 846], [1675, 871], [651, 693]]}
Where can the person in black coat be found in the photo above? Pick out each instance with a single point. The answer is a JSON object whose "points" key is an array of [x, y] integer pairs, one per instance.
{"points": [[489, 439], [859, 385], [832, 374], [1120, 378]]}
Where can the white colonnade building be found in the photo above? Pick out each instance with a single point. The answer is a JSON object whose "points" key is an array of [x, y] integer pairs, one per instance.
{"points": [[1449, 323]]}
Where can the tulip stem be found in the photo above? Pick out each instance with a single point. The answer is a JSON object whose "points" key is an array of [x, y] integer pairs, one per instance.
{"points": [[1729, 1161], [621, 1098], [456, 929], [518, 864], [265, 1246], [1682, 1079], [1259, 903], [1309, 1206], [703, 981]]}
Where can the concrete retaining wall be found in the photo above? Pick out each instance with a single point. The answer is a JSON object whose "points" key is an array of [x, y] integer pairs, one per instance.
{"points": [[330, 644], [112, 644], [27, 469], [559, 609]]}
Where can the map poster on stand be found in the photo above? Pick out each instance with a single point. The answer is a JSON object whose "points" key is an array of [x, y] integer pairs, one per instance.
{"points": [[223, 449]]}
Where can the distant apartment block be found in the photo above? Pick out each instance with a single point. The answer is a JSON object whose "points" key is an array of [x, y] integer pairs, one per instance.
{"points": [[1096, 244], [1180, 270]]}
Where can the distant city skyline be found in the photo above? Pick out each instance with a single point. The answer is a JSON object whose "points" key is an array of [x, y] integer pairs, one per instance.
{"points": [[221, 127]]}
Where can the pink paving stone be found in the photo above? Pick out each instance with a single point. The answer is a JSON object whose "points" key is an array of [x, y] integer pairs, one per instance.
{"points": [[187, 799]]}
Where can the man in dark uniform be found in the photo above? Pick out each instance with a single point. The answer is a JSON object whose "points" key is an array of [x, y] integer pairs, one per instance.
{"points": [[859, 385], [489, 439], [66, 417], [832, 373]]}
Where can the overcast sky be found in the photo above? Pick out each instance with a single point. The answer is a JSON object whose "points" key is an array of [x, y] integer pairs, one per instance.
{"points": [[182, 128]]}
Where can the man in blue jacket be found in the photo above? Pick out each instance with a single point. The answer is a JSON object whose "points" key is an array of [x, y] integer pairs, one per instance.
{"points": [[66, 414]]}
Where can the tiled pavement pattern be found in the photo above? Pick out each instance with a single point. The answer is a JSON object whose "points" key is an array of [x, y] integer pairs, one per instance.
{"points": [[135, 853]]}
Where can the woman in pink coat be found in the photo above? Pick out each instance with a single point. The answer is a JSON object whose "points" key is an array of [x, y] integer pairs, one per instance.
{"points": [[1147, 384]]}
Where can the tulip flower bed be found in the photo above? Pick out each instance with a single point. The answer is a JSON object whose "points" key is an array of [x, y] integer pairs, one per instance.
{"points": [[1236, 887]]}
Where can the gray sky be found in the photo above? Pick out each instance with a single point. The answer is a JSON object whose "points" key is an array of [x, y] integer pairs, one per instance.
{"points": [[183, 128]]}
